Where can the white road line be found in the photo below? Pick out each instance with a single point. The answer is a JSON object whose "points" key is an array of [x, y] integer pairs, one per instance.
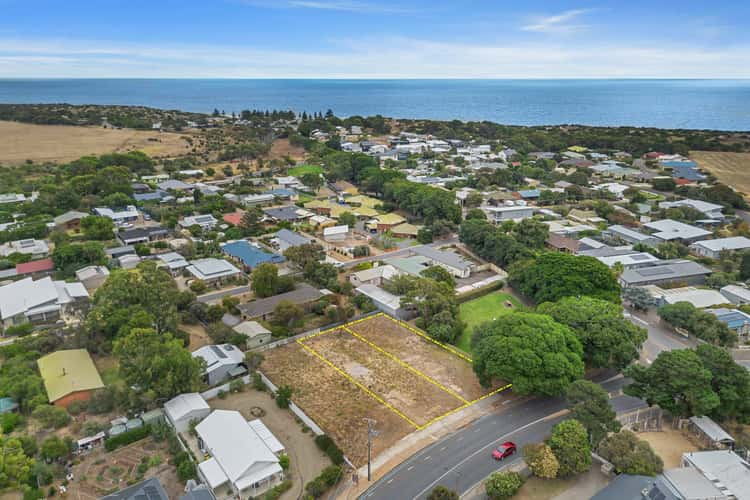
{"points": [[410, 467], [389, 481], [427, 458], [441, 449]]}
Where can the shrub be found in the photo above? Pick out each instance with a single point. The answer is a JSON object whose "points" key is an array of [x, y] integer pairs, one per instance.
{"points": [[258, 384], [19, 330], [127, 437], [198, 286], [236, 386], [275, 492], [9, 421], [222, 394], [51, 416], [284, 396], [330, 448], [284, 461], [186, 470], [570, 444], [540, 459], [441, 492], [630, 455], [503, 485], [76, 407], [329, 477]]}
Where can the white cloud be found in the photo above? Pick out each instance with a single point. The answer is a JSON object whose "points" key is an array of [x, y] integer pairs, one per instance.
{"points": [[332, 5], [563, 22], [394, 58]]}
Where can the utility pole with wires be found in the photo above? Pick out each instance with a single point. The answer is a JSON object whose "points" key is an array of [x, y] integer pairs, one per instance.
{"points": [[371, 433]]}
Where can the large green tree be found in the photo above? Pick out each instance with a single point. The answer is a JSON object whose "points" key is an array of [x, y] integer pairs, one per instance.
{"points": [[609, 340], [554, 275], [531, 233], [630, 455], [97, 228], [677, 381], [589, 404], [157, 364], [265, 280], [532, 351], [15, 465], [729, 380], [570, 444]]}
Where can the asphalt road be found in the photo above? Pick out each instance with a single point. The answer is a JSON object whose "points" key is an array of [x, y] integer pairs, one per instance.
{"points": [[210, 297], [660, 338], [461, 460]]}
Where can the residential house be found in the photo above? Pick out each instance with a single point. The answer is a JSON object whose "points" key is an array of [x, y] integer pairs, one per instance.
{"points": [[498, 215], [562, 243], [12, 198], [736, 294], [69, 221], [628, 259], [205, 221], [255, 200], [666, 272], [235, 218], [386, 222], [37, 249], [186, 408], [736, 320], [617, 232], [256, 334], [213, 271], [406, 230], [39, 301], [175, 185], [284, 239], [69, 375], [119, 217], [289, 213], [450, 261], [243, 463], [413, 265], [142, 234], [700, 298], [304, 295], [336, 233], [36, 268], [173, 261], [709, 210], [248, 255], [92, 277], [672, 230], [724, 468], [374, 276], [148, 489], [384, 300], [222, 362], [714, 248]]}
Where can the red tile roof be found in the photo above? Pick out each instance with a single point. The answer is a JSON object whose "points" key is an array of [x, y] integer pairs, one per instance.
{"points": [[35, 266], [233, 219]]}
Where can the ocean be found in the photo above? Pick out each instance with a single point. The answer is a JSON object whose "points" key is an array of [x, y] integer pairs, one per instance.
{"points": [[695, 104]]}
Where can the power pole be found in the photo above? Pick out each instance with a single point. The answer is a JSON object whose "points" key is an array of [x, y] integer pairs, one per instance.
{"points": [[371, 432]]}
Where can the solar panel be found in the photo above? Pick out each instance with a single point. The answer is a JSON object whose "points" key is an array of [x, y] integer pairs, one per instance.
{"points": [[218, 352], [654, 271]]}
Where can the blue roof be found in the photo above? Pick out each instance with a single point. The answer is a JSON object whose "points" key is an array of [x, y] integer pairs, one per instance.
{"points": [[152, 196], [733, 318], [689, 172], [529, 193], [281, 192], [680, 164], [250, 255]]}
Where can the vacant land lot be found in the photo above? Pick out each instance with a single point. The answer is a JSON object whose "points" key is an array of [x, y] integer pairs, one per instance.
{"points": [[485, 308], [305, 169], [669, 444], [375, 368], [282, 148], [732, 169], [61, 143]]}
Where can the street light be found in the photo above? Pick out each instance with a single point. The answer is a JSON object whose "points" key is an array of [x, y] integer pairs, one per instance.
{"points": [[371, 432]]}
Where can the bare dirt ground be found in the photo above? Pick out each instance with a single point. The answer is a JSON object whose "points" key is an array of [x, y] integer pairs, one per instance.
{"points": [[62, 143], [281, 148], [669, 444], [333, 402], [306, 460], [732, 169], [198, 336], [432, 360], [100, 473], [409, 393]]}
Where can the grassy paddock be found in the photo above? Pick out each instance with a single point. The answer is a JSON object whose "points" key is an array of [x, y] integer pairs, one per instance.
{"points": [[305, 169], [481, 309]]}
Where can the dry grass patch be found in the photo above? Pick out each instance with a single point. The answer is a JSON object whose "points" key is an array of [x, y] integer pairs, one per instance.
{"points": [[732, 169], [62, 143]]}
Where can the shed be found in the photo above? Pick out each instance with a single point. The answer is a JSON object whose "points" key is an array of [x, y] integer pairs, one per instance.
{"points": [[711, 432], [152, 417], [7, 405], [256, 334], [183, 409]]}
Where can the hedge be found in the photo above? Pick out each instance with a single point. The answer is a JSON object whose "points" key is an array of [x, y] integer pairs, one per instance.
{"points": [[275, 492], [127, 437], [329, 477], [326, 444]]}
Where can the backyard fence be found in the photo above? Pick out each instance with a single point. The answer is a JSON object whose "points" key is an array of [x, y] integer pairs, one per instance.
{"points": [[642, 419]]}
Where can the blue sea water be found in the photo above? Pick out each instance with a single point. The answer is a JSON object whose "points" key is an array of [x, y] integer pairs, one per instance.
{"points": [[697, 104]]}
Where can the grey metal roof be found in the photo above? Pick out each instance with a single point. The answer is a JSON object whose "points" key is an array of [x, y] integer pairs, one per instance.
{"points": [[712, 429], [150, 489], [667, 270], [448, 258], [303, 294], [292, 238]]}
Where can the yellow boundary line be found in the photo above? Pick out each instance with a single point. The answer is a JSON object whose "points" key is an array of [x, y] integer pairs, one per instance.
{"points": [[407, 366], [379, 399]]}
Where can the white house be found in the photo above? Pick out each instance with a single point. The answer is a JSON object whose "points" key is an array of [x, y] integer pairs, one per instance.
{"points": [[222, 362], [42, 300], [515, 213], [335, 233], [186, 408], [119, 217], [211, 270], [713, 248], [206, 221], [710, 210], [38, 249], [242, 464], [374, 276]]}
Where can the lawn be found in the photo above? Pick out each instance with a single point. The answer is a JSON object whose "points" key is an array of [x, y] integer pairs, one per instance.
{"points": [[481, 309], [305, 169]]}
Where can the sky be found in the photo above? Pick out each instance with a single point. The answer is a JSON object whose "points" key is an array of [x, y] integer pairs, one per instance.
{"points": [[374, 39]]}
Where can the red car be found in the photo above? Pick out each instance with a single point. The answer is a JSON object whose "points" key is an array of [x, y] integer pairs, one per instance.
{"points": [[504, 450]]}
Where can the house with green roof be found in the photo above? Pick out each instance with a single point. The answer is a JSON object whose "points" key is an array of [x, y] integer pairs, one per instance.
{"points": [[69, 375]]}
